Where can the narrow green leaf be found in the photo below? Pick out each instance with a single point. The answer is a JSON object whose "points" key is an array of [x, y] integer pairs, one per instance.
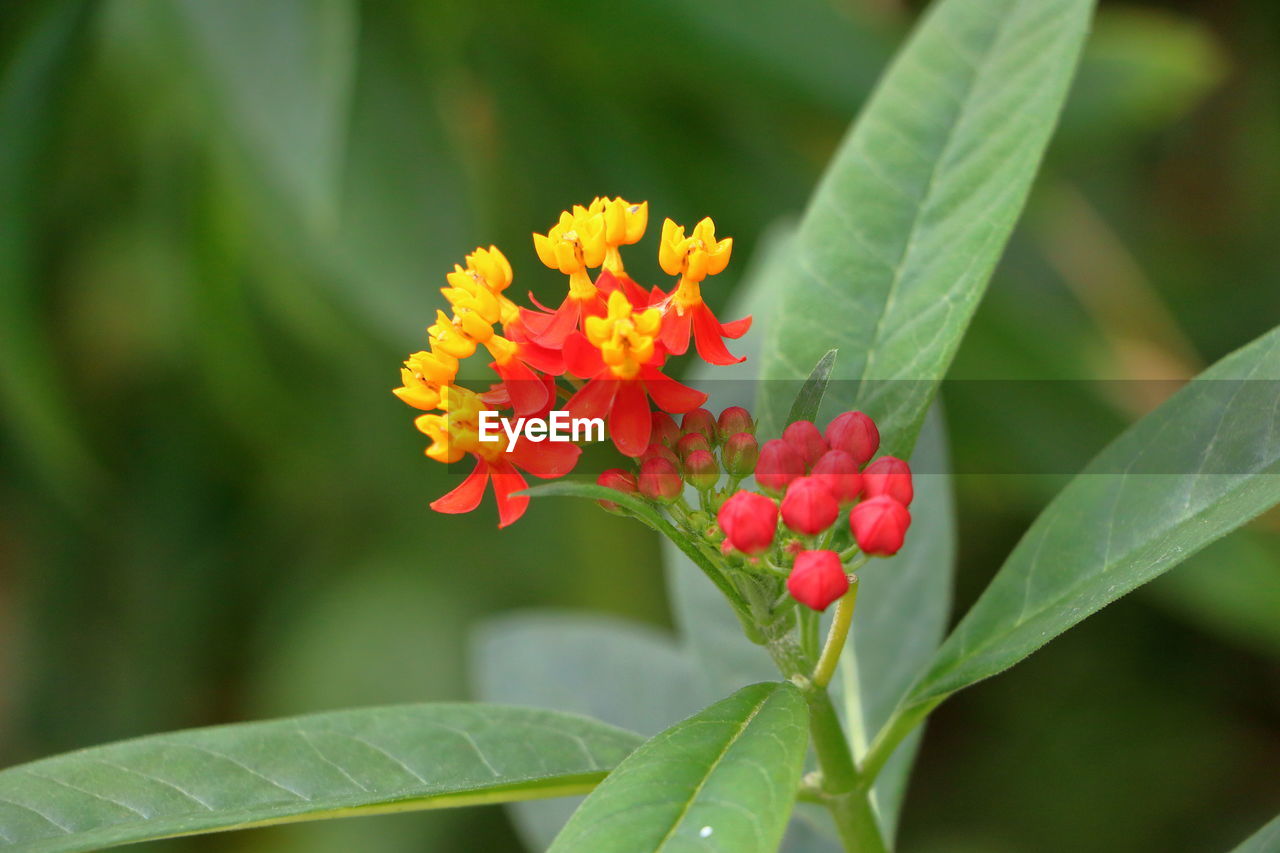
{"points": [[724, 779], [369, 761], [1265, 840], [626, 674], [1199, 466], [809, 399], [897, 245]]}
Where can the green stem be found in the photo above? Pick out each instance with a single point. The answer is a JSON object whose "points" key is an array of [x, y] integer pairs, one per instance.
{"points": [[836, 636], [901, 724], [843, 791]]}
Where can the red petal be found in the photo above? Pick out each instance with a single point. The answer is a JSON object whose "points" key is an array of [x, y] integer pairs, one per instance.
{"points": [[545, 459], [593, 400], [557, 327], [675, 332], [670, 395], [505, 481], [528, 391], [736, 328], [607, 281], [541, 358], [467, 496], [581, 358], [706, 335], [636, 294], [630, 421], [497, 396]]}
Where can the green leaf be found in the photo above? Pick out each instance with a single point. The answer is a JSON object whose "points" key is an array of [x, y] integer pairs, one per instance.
{"points": [[283, 72], [1196, 468], [906, 227], [809, 399], [1265, 840], [623, 673], [724, 779], [370, 761]]}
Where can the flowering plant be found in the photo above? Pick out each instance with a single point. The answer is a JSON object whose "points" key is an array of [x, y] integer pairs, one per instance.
{"points": [[776, 718]]}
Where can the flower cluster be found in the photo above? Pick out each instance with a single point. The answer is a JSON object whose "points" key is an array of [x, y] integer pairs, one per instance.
{"points": [[809, 481], [603, 348]]}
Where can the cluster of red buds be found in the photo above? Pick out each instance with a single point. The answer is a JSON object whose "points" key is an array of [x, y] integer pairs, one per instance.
{"points": [[834, 503]]}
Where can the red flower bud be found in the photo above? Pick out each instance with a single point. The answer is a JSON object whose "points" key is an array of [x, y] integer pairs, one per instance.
{"points": [[804, 436], [664, 430], [691, 442], [749, 521], [659, 480], [616, 478], [779, 464], [855, 434], [701, 470], [879, 524], [732, 421], [890, 476], [817, 579], [740, 454], [808, 506], [659, 451], [699, 422], [838, 471]]}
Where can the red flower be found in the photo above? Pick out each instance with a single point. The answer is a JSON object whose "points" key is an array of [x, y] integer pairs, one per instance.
{"points": [[543, 459], [805, 437], [779, 464], [809, 507], [620, 357], [890, 476], [749, 521], [817, 579], [839, 473], [855, 434], [879, 525]]}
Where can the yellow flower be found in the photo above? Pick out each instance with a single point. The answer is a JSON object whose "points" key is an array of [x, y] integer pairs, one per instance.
{"points": [[446, 337], [457, 432], [624, 224], [625, 337], [693, 258], [573, 245], [423, 375]]}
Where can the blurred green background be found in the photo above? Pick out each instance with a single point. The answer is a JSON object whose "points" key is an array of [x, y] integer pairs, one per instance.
{"points": [[223, 223]]}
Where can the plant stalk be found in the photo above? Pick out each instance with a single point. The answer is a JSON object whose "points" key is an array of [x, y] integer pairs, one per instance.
{"points": [[843, 791], [836, 636]]}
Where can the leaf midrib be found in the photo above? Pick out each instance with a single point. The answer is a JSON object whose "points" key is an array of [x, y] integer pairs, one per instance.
{"points": [[908, 246], [969, 653], [684, 811]]}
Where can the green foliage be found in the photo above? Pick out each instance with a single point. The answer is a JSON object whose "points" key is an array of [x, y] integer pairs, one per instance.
{"points": [[911, 216], [398, 758], [1198, 467], [724, 779], [202, 328]]}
